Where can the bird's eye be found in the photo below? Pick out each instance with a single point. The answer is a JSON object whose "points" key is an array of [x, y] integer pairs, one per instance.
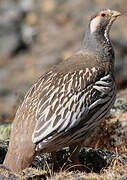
{"points": [[103, 14]]}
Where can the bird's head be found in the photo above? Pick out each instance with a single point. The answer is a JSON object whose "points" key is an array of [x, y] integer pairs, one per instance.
{"points": [[102, 21], [98, 28], [97, 34]]}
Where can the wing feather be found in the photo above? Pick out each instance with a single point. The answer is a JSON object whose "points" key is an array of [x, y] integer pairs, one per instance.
{"points": [[62, 106]]}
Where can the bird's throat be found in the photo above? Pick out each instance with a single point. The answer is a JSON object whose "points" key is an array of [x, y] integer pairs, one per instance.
{"points": [[99, 43]]}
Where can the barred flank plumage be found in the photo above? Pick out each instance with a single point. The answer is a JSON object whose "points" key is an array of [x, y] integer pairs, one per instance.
{"points": [[67, 103]]}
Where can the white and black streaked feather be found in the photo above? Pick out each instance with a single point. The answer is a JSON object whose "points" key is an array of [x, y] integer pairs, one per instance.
{"points": [[67, 101]]}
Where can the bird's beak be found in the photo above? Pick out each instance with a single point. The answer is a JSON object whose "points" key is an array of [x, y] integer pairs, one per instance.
{"points": [[115, 14]]}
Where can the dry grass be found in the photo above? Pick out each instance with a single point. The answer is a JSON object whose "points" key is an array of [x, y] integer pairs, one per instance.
{"points": [[116, 170], [112, 134], [32, 173], [4, 172]]}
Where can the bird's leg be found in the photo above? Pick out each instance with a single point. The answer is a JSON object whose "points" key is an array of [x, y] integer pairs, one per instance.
{"points": [[74, 155]]}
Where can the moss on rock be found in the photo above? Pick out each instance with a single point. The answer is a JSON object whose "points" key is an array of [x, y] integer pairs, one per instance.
{"points": [[5, 130]]}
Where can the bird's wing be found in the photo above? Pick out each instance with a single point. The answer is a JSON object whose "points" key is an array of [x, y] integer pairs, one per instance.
{"points": [[66, 97]]}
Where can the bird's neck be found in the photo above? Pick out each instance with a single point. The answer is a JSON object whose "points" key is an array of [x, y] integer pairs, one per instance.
{"points": [[100, 44]]}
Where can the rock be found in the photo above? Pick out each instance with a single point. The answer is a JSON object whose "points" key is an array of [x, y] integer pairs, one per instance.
{"points": [[9, 39], [13, 27], [6, 173], [32, 173], [119, 107], [26, 6], [3, 150], [94, 160], [44, 161], [71, 176], [27, 174], [84, 176], [123, 178]]}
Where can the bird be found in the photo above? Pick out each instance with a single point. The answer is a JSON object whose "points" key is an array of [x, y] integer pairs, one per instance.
{"points": [[67, 103]]}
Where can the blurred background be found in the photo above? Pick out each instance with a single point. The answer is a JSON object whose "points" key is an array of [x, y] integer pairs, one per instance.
{"points": [[35, 34]]}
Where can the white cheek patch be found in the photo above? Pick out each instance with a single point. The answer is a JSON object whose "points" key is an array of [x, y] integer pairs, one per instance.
{"points": [[94, 24]]}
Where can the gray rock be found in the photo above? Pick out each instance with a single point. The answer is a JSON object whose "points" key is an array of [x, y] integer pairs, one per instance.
{"points": [[13, 36], [119, 107], [6, 173], [3, 150]]}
